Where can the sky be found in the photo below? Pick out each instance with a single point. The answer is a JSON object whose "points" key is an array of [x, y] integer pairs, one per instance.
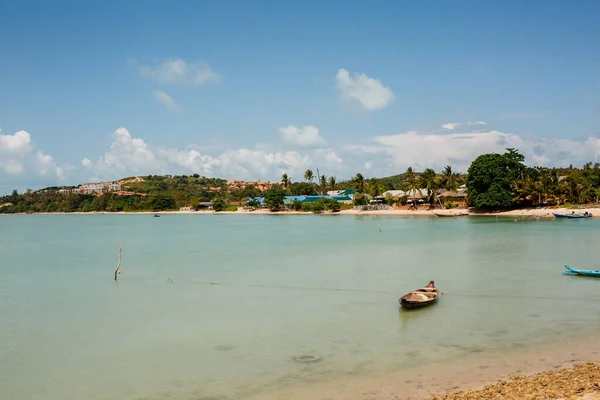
{"points": [[101, 90]]}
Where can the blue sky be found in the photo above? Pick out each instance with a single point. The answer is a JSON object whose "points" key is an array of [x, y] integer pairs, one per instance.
{"points": [[252, 89]]}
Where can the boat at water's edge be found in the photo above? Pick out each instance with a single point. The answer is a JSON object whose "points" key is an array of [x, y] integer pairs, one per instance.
{"points": [[583, 272], [573, 216], [443, 214], [420, 298]]}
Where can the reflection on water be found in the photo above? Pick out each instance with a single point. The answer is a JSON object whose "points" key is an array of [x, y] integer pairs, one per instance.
{"points": [[287, 286]]}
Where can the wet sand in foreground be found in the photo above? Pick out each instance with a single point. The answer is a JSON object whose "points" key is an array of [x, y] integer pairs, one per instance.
{"points": [[566, 370]]}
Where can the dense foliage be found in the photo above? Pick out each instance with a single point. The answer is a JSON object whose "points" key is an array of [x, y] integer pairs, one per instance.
{"points": [[494, 181], [491, 177]]}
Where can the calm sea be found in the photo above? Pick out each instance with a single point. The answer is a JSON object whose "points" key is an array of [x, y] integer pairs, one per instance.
{"points": [[283, 286]]}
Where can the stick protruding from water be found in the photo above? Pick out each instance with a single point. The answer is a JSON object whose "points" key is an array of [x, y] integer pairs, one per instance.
{"points": [[117, 272]]}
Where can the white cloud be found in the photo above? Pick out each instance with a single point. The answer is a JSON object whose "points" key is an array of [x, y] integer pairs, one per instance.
{"points": [[449, 125], [165, 100], [368, 92], [19, 157], [333, 161], [460, 149], [178, 71], [454, 125], [129, 156], [306, 136], [384, 155]]}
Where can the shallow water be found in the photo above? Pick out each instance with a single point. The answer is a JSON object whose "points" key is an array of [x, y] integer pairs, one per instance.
{"points": [[282, 286]]}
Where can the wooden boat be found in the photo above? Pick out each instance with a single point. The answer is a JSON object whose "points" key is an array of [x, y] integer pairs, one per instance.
{"points": [[583, 272], [443, 214], [420, 298], [156, 215], [573, 215]]}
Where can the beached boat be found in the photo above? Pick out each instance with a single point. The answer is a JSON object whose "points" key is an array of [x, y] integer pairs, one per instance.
{"points": [[450, 214], [420, 298], [583, 272], [573, 215]]}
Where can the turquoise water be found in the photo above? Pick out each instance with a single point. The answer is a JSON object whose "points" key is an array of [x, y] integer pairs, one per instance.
{"points": [[284, 286]]}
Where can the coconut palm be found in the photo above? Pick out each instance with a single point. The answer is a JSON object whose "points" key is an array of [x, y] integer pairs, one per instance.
{"points": [[332, 182], [323, 182], [286, 181], [430, 181], [308, 176], [411, 184], [359, 181], [449, 179], [374, 188]]}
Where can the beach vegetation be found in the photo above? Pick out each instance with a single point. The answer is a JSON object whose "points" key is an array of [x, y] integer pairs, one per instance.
{"points": [[218, 203], [274, 198]]}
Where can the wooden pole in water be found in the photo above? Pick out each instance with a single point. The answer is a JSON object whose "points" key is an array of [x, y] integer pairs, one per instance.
{"points": [[378, 226], [117, 272]]}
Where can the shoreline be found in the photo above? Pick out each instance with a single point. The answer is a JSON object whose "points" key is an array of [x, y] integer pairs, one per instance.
{"points": [[460, 212], [494, 375]]}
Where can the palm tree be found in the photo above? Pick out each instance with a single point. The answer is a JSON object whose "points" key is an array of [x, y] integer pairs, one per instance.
{"points": [[526, 191], [430, 181], [374, 188], [308, 176], [323, 182], [332, 182], [286, 181], [359, 180], [449, 179], [411, 184]]}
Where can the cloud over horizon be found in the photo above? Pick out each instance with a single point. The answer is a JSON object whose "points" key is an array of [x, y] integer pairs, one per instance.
{"points": [[300, 148], [19, 156]]}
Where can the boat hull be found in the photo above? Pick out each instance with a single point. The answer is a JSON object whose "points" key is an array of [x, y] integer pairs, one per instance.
{"points": [[582, 272], [411, 305], [410, 300], [572, 216]]}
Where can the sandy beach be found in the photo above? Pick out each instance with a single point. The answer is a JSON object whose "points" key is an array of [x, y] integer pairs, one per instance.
{"points": [[534, 213], [566, 370]]}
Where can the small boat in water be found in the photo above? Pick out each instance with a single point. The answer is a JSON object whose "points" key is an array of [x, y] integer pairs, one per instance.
{"points": [[573, 215], [156, 215], [583, 272], [420, 298]]}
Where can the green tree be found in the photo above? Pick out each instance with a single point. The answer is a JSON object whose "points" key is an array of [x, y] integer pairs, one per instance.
{"points": [[323, 183], [374, 188], [450, 179], [303, 189], [218, 203], [359, 181], [296, 205], [253, 203], [490, 179], [308, 176], [274, 198], [286, 181], [411, 184], [162, 201], [331, 205], [431, 182], [332, 182]]}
